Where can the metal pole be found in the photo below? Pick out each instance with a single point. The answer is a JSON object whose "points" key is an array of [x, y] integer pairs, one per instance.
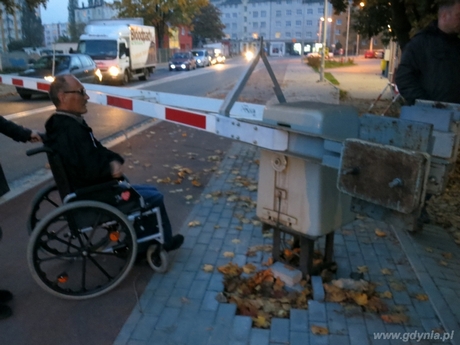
{"points": [[357, 44], [348, 31], [323, 51]]}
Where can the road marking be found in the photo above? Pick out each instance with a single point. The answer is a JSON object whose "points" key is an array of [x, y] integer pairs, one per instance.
{"points": [[29, 112], [24, 184]]}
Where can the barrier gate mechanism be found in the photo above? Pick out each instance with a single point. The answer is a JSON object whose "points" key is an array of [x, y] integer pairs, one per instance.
{"points": [[385, 165]]}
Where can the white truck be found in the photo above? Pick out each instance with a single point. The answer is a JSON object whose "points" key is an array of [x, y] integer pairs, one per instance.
{"points": [[123, 49]]}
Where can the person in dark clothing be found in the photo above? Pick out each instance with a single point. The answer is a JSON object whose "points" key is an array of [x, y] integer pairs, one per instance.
{"points": [[430, 68], [17, 133], [86, 161]]}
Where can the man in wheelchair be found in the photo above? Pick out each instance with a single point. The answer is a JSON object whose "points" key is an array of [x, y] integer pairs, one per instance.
{"points": [[86, 161]]}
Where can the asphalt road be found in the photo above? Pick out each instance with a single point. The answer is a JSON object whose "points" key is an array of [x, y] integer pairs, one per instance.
{"points": [[42, 319]]}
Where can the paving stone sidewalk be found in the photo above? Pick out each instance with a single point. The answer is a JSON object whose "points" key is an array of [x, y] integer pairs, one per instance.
{"points": [[180, 307]]}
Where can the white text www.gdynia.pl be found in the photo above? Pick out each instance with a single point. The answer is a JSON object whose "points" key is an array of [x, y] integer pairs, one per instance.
{"points": [[415, 335]]}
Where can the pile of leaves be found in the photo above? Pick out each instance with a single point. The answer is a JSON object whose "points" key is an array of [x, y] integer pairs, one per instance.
{"points": [[444, 210], [260, 295]]}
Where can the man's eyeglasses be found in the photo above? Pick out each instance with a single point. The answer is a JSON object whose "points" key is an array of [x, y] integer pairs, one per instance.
{"points": [[81, 92]]}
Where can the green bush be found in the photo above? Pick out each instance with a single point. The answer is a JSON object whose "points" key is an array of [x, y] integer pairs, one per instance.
{"points": [[314, 61]]}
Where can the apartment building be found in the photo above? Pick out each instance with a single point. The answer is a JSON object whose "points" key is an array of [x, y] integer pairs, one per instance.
{"points": [[285, 25], [95, 10], [54, 31]]}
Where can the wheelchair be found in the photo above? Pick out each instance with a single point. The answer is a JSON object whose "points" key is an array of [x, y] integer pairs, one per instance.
{"points": [[84, 242]]}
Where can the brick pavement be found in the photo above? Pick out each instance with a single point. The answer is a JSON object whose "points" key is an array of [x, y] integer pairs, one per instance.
{"points": [[180, 307]]}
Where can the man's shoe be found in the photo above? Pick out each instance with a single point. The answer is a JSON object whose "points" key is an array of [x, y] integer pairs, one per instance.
{"points": [[5, 296], [5, 311], [175, 243]]}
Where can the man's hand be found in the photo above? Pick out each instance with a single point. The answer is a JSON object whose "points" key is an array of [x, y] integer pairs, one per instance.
{"points": [[35, 137], [117, 169]]}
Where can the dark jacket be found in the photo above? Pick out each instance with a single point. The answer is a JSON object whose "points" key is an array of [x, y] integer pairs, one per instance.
{"points": [[86, 161], [430, 67], [14, 131]]}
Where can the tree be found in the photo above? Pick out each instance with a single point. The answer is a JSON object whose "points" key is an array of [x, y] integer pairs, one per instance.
{"points": [[12, 5], [396, 19], [207, 25], [73, 4], [160, 13], [32, 28], [16, 45]]}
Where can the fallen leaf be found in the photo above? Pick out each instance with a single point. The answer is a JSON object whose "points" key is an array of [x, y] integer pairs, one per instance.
{"points": [[395, 318], [421, 297], [447, 255], [319, 330], [362, 269], [194, 223], [249, 268], [380, 233], [229, 254], [443, 263], [208, 268], [188, 197], [236, 241], [261, 322], [196, 183], [386, 294], [360, 298], [429, 250], [386, 271], [231, 269]]}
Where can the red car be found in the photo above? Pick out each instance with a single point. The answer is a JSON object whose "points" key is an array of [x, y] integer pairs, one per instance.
{"points": [[369, 54]]}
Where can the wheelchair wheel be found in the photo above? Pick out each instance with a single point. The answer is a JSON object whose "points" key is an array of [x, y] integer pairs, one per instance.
{"points": [[82, 250], [157, 258], [46, 200]]}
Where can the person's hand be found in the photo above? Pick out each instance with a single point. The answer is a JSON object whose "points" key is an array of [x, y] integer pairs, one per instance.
{"points": [[35, 137], [117, 169]]}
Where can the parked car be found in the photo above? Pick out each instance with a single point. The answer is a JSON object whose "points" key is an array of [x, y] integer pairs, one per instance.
{"points": [[369, 54], [80, 65], [182, 61], [378, 54], [202, 57]]}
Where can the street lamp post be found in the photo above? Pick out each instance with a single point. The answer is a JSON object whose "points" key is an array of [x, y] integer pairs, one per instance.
{"points": [[323, 50], [348, 31]]}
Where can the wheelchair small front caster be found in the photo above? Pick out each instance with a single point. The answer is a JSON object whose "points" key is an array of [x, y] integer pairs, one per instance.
{"points": [[157, 258]]}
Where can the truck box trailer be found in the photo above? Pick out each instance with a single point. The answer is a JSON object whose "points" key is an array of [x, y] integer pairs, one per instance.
{"points": [[122, 49]]}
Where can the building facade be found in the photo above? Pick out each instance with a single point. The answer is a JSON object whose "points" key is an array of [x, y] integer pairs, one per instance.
{"points": [[54, 31], [10, 27], [285, 25], [96, 10]]}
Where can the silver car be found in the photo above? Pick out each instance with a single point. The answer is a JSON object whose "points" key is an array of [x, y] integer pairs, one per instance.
{"points": [[202, 57]]}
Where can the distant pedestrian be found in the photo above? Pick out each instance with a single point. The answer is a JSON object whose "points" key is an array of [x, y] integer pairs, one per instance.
{"points": [[430, 67], [17, 133]]}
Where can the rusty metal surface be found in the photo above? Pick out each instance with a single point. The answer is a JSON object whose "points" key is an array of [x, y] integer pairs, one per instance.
{"points": [[384, 175], [396, 132]]}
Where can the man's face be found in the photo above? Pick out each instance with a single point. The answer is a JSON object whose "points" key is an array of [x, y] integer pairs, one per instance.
{"points": [[73, 98], [452, 18]]}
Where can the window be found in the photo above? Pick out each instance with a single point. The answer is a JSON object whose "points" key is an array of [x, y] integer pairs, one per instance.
{"points": [[277, 23], [337, 31], [308, 34], [338, 22], [263, 14], [263, 25], [298, 23], [320, 10], [309, 23], [255, 14], [227, 15], [298, 11], [288, 2], [288, 34], [298, 34], [310, 11], [278, 13], [255, 25], [234, 26], [288, 23], [288, 12], [234, 15]]}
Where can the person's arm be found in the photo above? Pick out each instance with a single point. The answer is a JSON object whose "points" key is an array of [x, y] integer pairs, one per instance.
{"points": [[14, 131], [408, 74]]}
